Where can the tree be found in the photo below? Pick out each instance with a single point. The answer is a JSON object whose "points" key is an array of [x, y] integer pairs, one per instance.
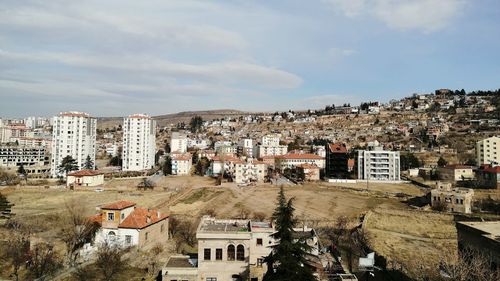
{"points": [[115, 161], [68, 164], [5, 208], [202, 166], [442, 162], [21, 171], [17, 251], [196, 124], [43, 261], [167, 166], [77, 230], [287, 258], [109, 261], [146, 184], [89, 164], [409, 161]]}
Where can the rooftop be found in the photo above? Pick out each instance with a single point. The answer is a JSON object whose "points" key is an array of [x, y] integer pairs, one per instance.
{"points": [[84, 173], [119, 205], [491, 229], [300, 156], [337, 148], [224, 225], [142, 217], [180, 261]]}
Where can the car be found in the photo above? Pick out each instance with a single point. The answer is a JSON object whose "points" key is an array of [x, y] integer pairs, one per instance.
{"points": [[99, 190]]}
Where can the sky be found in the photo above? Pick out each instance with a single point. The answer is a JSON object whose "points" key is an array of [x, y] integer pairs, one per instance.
{"points": [[119, 57]]}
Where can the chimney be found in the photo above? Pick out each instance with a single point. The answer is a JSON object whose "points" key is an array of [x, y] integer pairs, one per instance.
{"points": [[148, 219], [158, 214]]}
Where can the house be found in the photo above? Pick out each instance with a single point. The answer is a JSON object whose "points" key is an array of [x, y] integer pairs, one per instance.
{"points": [[489, 176], [481, 236], [124, 224], [293, 160], [181, 268], [247, 172], [337, 158], [85, 178], [455, 199], [181, 164], [455, 172], [311, 172]]}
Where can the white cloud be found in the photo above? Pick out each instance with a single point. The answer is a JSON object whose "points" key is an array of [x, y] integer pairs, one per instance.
{"points": [[423, 15]]}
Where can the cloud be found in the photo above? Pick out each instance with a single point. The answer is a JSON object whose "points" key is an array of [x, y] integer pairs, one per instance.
{"points": [[424, 15]]}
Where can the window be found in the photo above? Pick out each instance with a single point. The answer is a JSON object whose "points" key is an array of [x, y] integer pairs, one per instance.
{"points": [[211, 279], [218, 254], [240, 253], [259, 241], [207, 253], [123, 216], [161, 228], [111, 216], [230, 253], [260, 261], [146, 236], [128, 239]]}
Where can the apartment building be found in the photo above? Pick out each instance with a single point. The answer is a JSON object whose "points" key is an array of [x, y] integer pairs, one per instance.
{"points": [[454, 199], [18, 155], [292, 160], [245, 147], [73, 134], [378, 164], [139, 142], [337, 158], [178, 142], [248, 172], [265, 150], [488, 151], [181, 164], [124, 224]]}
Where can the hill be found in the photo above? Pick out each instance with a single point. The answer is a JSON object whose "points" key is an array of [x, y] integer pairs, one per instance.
{"points": [[174, 118]]}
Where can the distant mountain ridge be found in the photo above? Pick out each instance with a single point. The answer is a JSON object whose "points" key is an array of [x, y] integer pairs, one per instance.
{"points": [[174, 118]]}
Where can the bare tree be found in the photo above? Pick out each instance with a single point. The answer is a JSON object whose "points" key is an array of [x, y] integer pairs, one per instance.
{"points": [[153, 253], [17, 251], [259, 216], [109, 261], [83, 274], [43, 261], [77, 230]]}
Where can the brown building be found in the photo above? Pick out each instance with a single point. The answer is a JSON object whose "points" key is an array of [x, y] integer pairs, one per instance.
{"points": [[337, 161]]}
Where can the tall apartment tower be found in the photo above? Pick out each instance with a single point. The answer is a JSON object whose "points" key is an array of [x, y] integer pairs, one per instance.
{"points": [[378, 164], [73, 134], [488, 151], [139, 142], [178, 142]]}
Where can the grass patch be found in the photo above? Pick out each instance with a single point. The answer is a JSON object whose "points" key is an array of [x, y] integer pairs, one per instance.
{"points": [[202, 194]]}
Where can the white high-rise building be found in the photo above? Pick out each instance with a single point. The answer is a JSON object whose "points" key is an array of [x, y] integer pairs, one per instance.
{"points": [[178, 143], [73, 134], [488, 151], [139, 142]]}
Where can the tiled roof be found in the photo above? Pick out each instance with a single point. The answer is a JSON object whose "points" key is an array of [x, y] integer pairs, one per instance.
{"points": [[300, 156], [350, 163], [457, 166], [141, 218], [181, 157], [495, 169], [308, 166], [84, 173], [337, 148], [119, 205]]}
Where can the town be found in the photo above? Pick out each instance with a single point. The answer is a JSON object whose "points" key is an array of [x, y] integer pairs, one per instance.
{"points": [[402, 190]]}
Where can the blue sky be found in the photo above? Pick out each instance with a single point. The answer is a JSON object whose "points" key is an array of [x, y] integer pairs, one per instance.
{"points": [[117, 57]]}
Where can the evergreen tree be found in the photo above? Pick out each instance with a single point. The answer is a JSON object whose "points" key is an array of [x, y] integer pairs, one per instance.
{"points": [[89, 164], [167, 166], [442, 162], [21, 171], [68, 164], [287, 259], [5, 207]]}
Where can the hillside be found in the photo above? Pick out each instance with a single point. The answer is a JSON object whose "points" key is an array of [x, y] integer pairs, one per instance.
{"points": [[174, 118]]}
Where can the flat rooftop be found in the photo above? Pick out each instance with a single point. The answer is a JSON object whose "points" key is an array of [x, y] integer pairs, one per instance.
{"points": [[490, 227], [217, 225]]}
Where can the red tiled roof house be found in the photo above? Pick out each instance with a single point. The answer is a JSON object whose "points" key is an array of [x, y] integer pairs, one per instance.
{"points": [[85, 178], [125, 224]]}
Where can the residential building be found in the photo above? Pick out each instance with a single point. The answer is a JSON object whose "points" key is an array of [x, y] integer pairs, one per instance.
{"points": [[181, 164], [488, 176], [73, 134], [265, 150], [124, 224], [454, 199], [311, 172], [293, 160], [481, 236], [111, 149], [488, 151], [85, 178], [378, 164], [139, 142], [178, 142], [248, 172], [246, 147], [455, 172], [337, 158], [19, 155], [180, 268]]}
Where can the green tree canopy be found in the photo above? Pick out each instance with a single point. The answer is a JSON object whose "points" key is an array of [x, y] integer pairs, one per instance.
{"points": [[196, 124], [287, 259], [68, 164], [442, 162], [89, 164]]}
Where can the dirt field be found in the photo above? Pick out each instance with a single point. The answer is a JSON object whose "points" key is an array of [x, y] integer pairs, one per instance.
{"points": [[395, 229]]}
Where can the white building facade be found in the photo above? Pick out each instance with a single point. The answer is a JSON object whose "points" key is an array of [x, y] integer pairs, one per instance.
{"points": [[488, 151], [139, 142], [73, 134], [178, 142], [378, 164]]}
